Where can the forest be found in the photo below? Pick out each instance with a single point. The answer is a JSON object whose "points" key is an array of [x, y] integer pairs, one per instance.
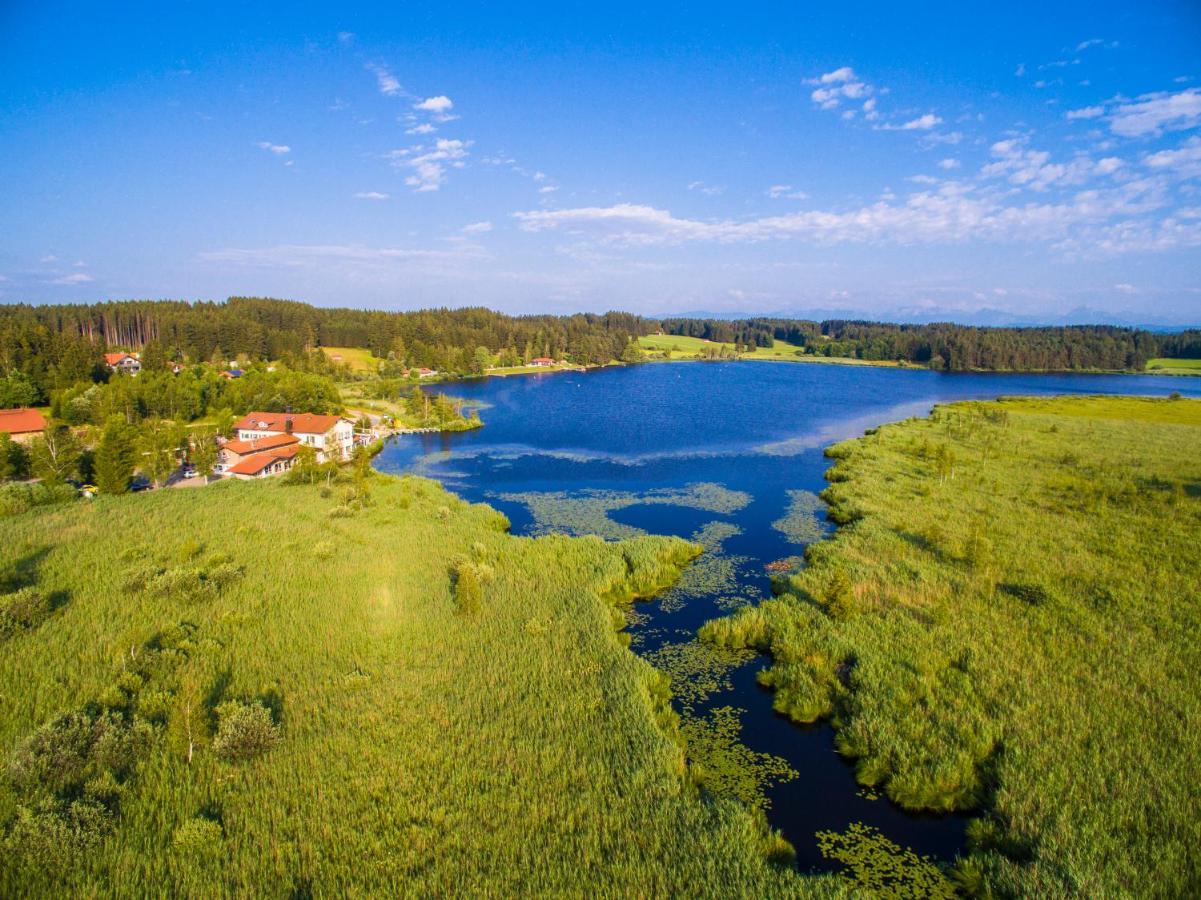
{"points": [[955, 347], [48, 348]]}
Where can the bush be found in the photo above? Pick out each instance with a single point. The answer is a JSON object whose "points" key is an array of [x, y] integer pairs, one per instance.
{"points": [[469, 590], [244, 731], [21, 610], [18, 498]]}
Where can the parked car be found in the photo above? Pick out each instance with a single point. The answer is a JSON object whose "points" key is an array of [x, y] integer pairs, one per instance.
{"points": [[140, 483]]}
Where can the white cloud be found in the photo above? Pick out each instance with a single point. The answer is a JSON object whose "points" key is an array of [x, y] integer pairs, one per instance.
{"points": [[834, 87], [277, 149], [49, 258], [1020, 70], [1099, 221], [1125, 288], [76, 278], [709, 190], [922, 123], [429, 164], [371, 195], [477, 228], [1087, 112], [1184, 161], [1152, 114], [439, 104], [387, 83], [548, 189], [423, 128], [345, 38], [869, 109], [948, 164]]}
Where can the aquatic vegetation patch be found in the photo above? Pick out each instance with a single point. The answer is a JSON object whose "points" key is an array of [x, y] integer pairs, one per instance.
{"points": [[800, 524], [724, 765], [697, 670], [587, 512], [713, 573], [885, 869]]}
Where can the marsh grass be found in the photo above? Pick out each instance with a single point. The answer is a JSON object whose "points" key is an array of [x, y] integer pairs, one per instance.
{"points": [[412, 749], [1009, 624]]}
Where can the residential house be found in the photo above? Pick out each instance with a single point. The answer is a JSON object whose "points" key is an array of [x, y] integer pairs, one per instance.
{"points": [[232, 454], [332, 436], [542, 361], [123, 362], [265, 464], [22, 424]]}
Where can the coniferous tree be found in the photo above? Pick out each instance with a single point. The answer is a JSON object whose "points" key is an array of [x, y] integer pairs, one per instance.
{"points": [[116, 457]]}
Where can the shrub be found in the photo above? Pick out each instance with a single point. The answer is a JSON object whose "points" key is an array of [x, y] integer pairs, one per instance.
{"points": [[469, 590], [244, 731], [22, 610], [198, 837], [18, 498]]}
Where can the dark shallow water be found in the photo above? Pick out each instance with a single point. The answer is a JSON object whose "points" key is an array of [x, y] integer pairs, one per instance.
{"points": [[754, 427]]}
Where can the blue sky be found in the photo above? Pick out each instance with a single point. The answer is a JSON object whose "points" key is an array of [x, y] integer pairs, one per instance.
{"points": [[1029, 161]]}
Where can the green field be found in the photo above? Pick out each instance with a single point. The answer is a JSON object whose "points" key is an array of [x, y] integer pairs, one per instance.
{"points": [[357, 358], [445, 709], [1008, 622], [682, 347], [1174, 366]]}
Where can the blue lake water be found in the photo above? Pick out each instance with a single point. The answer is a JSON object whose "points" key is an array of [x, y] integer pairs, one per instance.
{"points": [[753, 427]]}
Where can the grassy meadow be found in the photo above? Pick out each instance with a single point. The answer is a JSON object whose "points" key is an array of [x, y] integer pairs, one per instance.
{"points": [[357, 359], [682, 347], [1162, 366], [1008, 622], [261, 689]]}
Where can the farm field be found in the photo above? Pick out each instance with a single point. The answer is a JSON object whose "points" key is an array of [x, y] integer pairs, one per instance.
{"points": [[1164, 366], [360, 693], [1006, 623]]}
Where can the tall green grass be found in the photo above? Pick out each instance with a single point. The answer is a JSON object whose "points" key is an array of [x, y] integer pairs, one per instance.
{"points": [[356, 728], [1008, 622]]}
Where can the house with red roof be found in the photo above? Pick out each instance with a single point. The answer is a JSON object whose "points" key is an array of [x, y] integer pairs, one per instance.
{"points": [[332, 436], [265, 463], [542, 361], [123, 362], [232, 456], [22, 424]]}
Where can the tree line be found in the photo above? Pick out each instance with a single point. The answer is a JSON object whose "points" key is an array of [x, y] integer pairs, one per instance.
{"points": [[953, 347]]}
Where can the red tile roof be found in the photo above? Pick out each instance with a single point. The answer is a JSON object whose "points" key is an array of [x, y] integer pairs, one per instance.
{"points": [[256, 462], [21, 421], [257, 445], [302, 423], [113, 358], [544, 360]]}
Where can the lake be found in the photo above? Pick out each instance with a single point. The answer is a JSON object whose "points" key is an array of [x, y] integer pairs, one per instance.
{"points": [[721, 452]]}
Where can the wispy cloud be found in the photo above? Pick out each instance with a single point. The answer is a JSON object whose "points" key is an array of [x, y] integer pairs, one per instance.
{"points": [[371, 195], [429, 164], [277, 149], [921, 123], [1123, 217], [75, 278], [439, 104], [1153, 114], [352, 260], [709, 190], [1086, 112], [387, 83], [781, 191], [477, 228]]}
